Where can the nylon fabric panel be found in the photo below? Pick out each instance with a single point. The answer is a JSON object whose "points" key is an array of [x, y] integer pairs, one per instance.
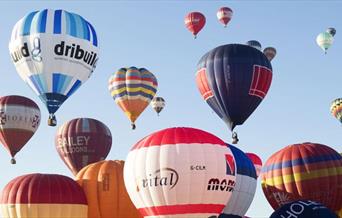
{"points": [[104, 187], [310, 178], [161, 176], [43, 211], [245, 187], [83, 141], [229, 70]]}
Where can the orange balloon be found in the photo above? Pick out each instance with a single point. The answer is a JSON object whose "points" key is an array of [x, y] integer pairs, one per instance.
{"points": [[106, 193]]}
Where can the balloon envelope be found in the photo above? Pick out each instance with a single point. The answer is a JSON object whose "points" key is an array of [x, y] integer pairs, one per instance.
{"points": [[158, 103], [43, 196], [325, 40], [104, 187], [303, 171], [54, 52], [224, 15], [234, 79], [168, 173], [303, 209], [246, 180], [254, 43], [194, 22], [132, 89], [331, 30], [82, 141], [19, 120], [270, 53], [336, 109]]}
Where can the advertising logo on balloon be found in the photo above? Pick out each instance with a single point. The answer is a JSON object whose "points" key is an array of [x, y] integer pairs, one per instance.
{"points": [[75, 144], [2, 118], [159, 178], [281, 198], [230, 164], [36, 50], [35, 121], [215, 184], [23, 51]]}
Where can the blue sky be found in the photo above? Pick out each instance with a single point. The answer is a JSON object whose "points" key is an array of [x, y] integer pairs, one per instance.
{"points": [[152, 34]]}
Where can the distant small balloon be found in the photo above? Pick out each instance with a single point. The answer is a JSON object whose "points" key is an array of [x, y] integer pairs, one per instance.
{"points": [[270, 53], [254, 44], [336, 109], [224, 15], [331, 30], [325, 40], [158, 103], [194, 21]]}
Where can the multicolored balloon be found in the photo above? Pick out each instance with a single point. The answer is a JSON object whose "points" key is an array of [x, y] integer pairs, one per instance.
{"points": [[224, 15], [256, 161], [54, 52], [104, 187], [19, 120], [194, 22], [132, 89], [168, 173], [336, 109], [331, 30], [254, 44], [246, 180], [43, 196], [303, 209], [270, 53], [303, 171], [234, 79], [324, 40], [158, 104], [82, 141]]}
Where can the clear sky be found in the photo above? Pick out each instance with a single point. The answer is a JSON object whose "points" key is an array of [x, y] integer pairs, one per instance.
{"points": [[152, 34]]}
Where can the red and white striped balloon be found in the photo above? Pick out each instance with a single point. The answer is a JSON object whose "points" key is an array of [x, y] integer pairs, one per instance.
{"points": [[224, 15], [180, 172], [19, 120], [194, 22]]}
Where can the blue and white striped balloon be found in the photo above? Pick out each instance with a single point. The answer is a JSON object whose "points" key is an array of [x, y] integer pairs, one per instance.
{"points": [[54, 52]]}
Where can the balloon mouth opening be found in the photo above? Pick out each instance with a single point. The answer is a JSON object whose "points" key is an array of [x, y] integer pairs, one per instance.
{"points": [[52, 120]]}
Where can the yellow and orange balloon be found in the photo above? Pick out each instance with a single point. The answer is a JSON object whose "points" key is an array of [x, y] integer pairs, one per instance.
{"points": [[104, 187], [132, 89]]}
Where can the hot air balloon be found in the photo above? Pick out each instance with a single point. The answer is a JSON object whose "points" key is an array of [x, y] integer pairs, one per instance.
{"points": [[82, 141], [254, 44], [270, 53], [104, 187], [43, 196], [132, 89], [54, 52], [19, 120], [158, 103], [256, 161], [246, 180], [336, 109], [234, 79], [303, 209], [303, 171], [180, 172], [331, 30], [324, 40], [194, 22], [224, 15]]}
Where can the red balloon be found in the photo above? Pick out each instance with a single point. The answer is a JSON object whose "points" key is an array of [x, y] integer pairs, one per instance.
{"points": [[194, 21], [19, 120], [224, 15], [83, 141], [256, 161]]}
